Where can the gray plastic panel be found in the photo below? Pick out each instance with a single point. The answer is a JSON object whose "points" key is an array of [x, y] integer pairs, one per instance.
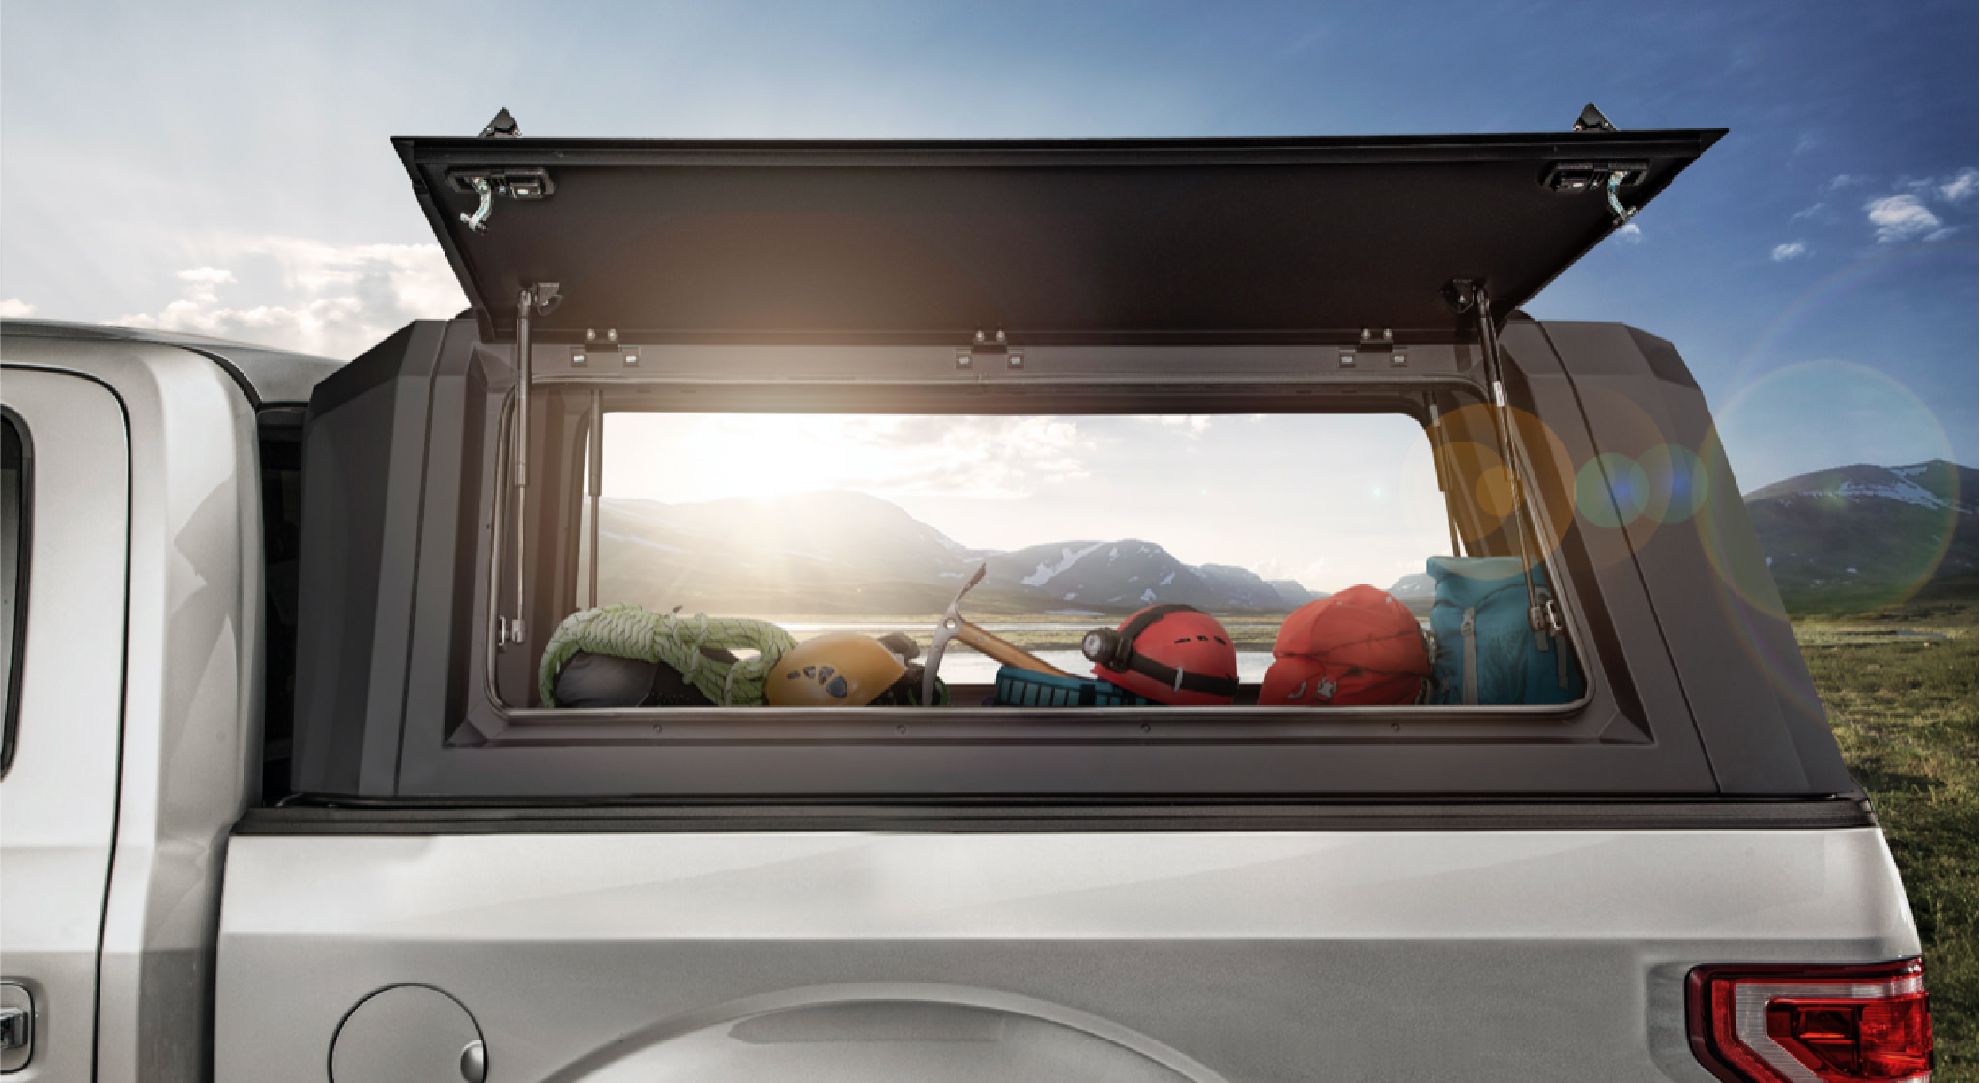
{"points": [[1715, 603]]}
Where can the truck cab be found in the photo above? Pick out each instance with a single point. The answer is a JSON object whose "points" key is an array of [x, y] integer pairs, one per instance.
{"points": [[147, 600], [315, 808]]}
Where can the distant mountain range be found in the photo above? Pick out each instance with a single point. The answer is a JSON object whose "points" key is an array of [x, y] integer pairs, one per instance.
{"points": [[1857, 538], [1853, 538], [850, 553], [1416, 591]]}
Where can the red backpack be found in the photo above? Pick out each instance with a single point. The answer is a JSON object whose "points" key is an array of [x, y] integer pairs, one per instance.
{"points": [[1358, 647]]}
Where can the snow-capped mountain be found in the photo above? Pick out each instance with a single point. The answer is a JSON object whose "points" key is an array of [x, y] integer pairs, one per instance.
{"points": [[1859, 537], [1417, 591], [852, 553], [1126, 574]]}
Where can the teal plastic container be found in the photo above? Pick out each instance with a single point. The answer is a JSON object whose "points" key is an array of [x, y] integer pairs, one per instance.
{"points": [[1026, 688]]}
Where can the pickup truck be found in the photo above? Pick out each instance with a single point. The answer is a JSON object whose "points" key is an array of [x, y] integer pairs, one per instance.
{"points": [[283, 798]]}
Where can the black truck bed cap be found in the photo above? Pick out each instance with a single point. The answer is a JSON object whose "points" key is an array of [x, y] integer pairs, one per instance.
{"points": [[1068, 241]]}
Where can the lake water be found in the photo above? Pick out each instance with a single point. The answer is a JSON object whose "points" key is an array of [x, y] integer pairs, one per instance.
{"points": [[962, 665]]}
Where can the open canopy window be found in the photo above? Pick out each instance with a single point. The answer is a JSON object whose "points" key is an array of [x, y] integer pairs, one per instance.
{"points": [[1112, 241], [692, 558]]}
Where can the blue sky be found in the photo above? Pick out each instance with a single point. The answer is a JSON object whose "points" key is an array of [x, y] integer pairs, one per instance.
{"points": [[225, 167]]}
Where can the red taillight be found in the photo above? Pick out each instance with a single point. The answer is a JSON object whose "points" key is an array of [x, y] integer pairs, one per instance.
{"points": [[1812, 1024]]}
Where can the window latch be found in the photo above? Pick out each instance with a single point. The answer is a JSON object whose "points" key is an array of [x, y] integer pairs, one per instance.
{"points": [[524, 185]]}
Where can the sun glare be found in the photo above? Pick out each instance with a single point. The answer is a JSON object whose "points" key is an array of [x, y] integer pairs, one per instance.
{"points": [[689, 458], [1225, 489]]}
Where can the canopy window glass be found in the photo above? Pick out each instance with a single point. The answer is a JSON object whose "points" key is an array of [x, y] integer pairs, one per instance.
{"points": [[955, 560]]}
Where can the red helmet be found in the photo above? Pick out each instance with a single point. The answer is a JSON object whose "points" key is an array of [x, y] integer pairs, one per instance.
{"points": [[1168, 653]]}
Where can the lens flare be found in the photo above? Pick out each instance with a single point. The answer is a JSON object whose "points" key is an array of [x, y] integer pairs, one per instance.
{"points": [[1468, 439], [1612, 490], [1679, 483], [1852, 537], [1846, 539]]}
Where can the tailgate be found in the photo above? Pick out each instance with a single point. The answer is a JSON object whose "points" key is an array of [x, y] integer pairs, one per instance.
{"points": [[610, 952]]}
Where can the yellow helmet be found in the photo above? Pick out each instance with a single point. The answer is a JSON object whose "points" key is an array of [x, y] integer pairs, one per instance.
{"points": [[837, 669]]}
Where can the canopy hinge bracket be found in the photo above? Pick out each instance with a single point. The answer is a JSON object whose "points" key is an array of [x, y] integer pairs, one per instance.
{"points": [[1590, 120], [1462, 294], [503, 126], [988, 351], [1377, 341]]}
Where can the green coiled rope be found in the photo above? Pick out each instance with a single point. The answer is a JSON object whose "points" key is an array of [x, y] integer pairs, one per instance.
{"points": [[628, 631]]}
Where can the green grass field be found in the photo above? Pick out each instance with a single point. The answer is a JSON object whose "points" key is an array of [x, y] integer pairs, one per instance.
{"points": [[1902, 703]]}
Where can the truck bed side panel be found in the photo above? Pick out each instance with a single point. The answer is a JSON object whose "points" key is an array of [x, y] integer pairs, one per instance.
{"points": [[1524, 955]]}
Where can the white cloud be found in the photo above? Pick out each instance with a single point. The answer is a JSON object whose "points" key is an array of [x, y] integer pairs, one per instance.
{"points": [[1846, 180], [203, 283], [954, 457], [1901, 218], [330, 299], [1791, 250], [1961, 186], [1819, 210], [13, 308], [1631, 233]]}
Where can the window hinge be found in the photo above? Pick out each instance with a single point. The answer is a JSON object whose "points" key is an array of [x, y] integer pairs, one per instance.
{"points": [[989, 350], [602, 351], [1378, 341]]}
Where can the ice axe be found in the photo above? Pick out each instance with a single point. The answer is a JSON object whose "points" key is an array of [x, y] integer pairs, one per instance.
{"points": [[953, 626]]}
